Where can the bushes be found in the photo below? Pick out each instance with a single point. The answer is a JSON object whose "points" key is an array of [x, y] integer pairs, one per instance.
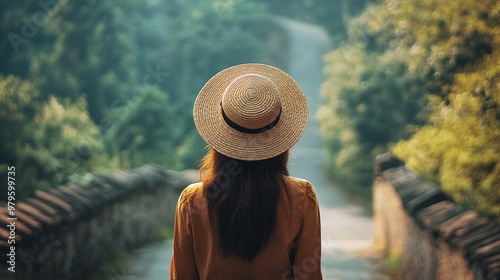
{"points": [[369, 99], [134, 137], [399, 54], [460, 147], [45, 141]]}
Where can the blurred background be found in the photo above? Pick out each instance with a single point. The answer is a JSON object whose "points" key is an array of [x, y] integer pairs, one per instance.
{"points": [[95, 85], [92, 86]]}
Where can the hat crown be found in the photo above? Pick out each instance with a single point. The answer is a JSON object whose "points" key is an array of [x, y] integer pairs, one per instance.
{"points": [[251, 101]]}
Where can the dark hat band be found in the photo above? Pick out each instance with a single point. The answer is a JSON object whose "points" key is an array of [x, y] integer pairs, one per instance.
{"points": [[242, 129]]}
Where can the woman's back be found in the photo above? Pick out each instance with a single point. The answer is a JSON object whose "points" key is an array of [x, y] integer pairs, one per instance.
{"points": [[248, 219], [294, 244]]}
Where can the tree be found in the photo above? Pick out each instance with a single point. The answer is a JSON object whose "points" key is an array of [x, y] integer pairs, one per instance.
{"points": [[189, 42], [57, 139], [440, 50], [370, 98], [143, 130], [101, 59], [92, 54], [460, 147]]}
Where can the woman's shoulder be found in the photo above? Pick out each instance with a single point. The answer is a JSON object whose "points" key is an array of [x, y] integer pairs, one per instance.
{"points": [[300, 187], [298, 184], [191, 192], [301, 195], [193, 188]]}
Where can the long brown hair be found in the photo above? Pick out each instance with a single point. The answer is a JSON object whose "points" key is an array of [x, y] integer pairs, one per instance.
{"points": [[242, 200]]}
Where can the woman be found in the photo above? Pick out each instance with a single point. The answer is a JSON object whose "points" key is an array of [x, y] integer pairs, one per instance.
{"points": [[247, 219]]}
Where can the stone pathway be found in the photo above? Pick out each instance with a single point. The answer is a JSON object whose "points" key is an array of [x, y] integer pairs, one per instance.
{"points": [[346, 229]]}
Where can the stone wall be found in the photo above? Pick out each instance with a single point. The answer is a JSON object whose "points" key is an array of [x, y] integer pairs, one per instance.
{"points": [[430, 236], [65, 233]]}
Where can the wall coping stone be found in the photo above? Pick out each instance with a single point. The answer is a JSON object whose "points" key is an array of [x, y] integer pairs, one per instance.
{"points": [[65, 204], [433, 210]]}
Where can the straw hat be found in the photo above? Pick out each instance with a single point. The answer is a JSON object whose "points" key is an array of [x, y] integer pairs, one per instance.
{"points": [[251, 112]]}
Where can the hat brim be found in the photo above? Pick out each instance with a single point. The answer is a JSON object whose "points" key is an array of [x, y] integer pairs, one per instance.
{"points": [[239, 145]]}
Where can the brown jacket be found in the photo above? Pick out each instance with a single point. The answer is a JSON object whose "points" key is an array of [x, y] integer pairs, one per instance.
{"points": [[293, 251]]}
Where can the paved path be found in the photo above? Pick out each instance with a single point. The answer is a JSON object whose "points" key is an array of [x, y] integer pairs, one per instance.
{"points": [[345, 227]]}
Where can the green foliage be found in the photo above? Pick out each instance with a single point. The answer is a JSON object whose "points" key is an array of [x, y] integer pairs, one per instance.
{"points": [[64, 142], [94, 47], [460, 147], [124, 73], [190, 150], [187, 47], [18, 101], [398, 54], [203, 38], [57, 138], [140, 131], [442, 37], [368, 102]]}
